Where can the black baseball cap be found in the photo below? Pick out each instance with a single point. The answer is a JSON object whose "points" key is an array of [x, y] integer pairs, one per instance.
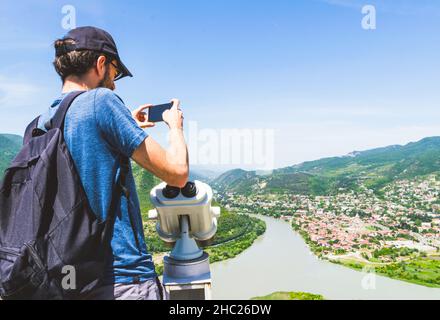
{"points": [[92, 38]]}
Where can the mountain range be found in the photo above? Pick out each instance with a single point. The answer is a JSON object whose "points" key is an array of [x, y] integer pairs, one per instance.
{"points": [[373, 168]]}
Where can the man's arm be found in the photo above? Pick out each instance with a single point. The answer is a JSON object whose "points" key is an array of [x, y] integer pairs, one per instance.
{"points": [[170, 165]]}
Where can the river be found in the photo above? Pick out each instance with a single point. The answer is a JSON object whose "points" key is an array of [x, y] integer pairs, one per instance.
{"points": [[280, 260]]}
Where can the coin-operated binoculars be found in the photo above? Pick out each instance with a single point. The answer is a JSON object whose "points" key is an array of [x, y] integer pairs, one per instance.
{"points": [[185, 216]]}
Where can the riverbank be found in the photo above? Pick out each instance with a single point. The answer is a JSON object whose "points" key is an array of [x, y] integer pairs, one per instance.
{"points": [[412, 267], [421, 271], [290, 296]]}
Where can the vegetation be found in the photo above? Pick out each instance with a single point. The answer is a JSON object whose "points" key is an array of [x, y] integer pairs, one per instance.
{"points": [[393, 252], [290, 296], [422, 271], [145, 181], [231, 248]]}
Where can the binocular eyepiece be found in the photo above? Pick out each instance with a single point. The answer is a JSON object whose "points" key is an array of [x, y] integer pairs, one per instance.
{"points": [[188, 191], [193, 201]]}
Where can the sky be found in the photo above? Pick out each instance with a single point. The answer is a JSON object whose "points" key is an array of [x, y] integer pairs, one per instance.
{"points": [[304, 70]]}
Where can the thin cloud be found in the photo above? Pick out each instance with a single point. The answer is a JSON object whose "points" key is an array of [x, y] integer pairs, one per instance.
{"points": [[20, 101], [15, 92]]}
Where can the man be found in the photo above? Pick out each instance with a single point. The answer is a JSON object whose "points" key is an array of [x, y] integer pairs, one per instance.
{"points": [[98, 128]]}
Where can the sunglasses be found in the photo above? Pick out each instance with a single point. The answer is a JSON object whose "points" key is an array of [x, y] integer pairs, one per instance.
{"points": [[118, 72]]}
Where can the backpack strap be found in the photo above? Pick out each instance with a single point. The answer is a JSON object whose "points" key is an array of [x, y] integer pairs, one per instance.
{"points": [[57, 120], [122, 183], [118, 189]]}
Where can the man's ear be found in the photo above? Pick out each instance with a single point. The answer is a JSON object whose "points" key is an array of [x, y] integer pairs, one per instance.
{"points": [[100, 66]]}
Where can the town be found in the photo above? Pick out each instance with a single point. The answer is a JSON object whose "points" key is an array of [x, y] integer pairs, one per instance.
{"points": [[396, 224]]}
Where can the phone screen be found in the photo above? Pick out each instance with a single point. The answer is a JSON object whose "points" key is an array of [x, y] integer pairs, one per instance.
{"points": [[155, 112]]}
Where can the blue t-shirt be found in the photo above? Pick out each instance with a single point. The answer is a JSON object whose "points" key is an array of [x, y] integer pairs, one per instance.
{"points": [[98, 127]]}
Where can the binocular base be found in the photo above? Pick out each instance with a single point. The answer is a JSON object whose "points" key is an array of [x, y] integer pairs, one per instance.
{"points": [[187, 279]]}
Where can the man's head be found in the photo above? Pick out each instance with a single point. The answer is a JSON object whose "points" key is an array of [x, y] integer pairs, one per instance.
{"points": [[89, 55]]}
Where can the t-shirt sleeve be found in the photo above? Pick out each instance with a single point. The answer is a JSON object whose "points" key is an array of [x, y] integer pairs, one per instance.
{"points": [[116, 123]]}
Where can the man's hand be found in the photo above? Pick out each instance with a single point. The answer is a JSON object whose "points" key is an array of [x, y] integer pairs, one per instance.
{"points": [[139, 116], [171, 165], [174, 116]]}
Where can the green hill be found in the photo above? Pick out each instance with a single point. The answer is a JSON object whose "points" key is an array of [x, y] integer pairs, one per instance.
{"points": [[290, 296], [10, 144], [374, 168], [145, 181]]}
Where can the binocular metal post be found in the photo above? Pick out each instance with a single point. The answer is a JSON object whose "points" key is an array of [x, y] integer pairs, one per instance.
{"points": [[186, 273]]}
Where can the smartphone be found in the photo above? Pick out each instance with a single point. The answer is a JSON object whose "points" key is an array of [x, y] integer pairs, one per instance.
{"points": [[155, 112]]}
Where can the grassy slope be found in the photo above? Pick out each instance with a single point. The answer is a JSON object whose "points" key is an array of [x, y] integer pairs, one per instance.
{"points": [[145, 181], [421, 271], [290, 296]]}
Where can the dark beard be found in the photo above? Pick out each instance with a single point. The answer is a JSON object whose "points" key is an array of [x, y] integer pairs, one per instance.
{"points": [[107, 82]]}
